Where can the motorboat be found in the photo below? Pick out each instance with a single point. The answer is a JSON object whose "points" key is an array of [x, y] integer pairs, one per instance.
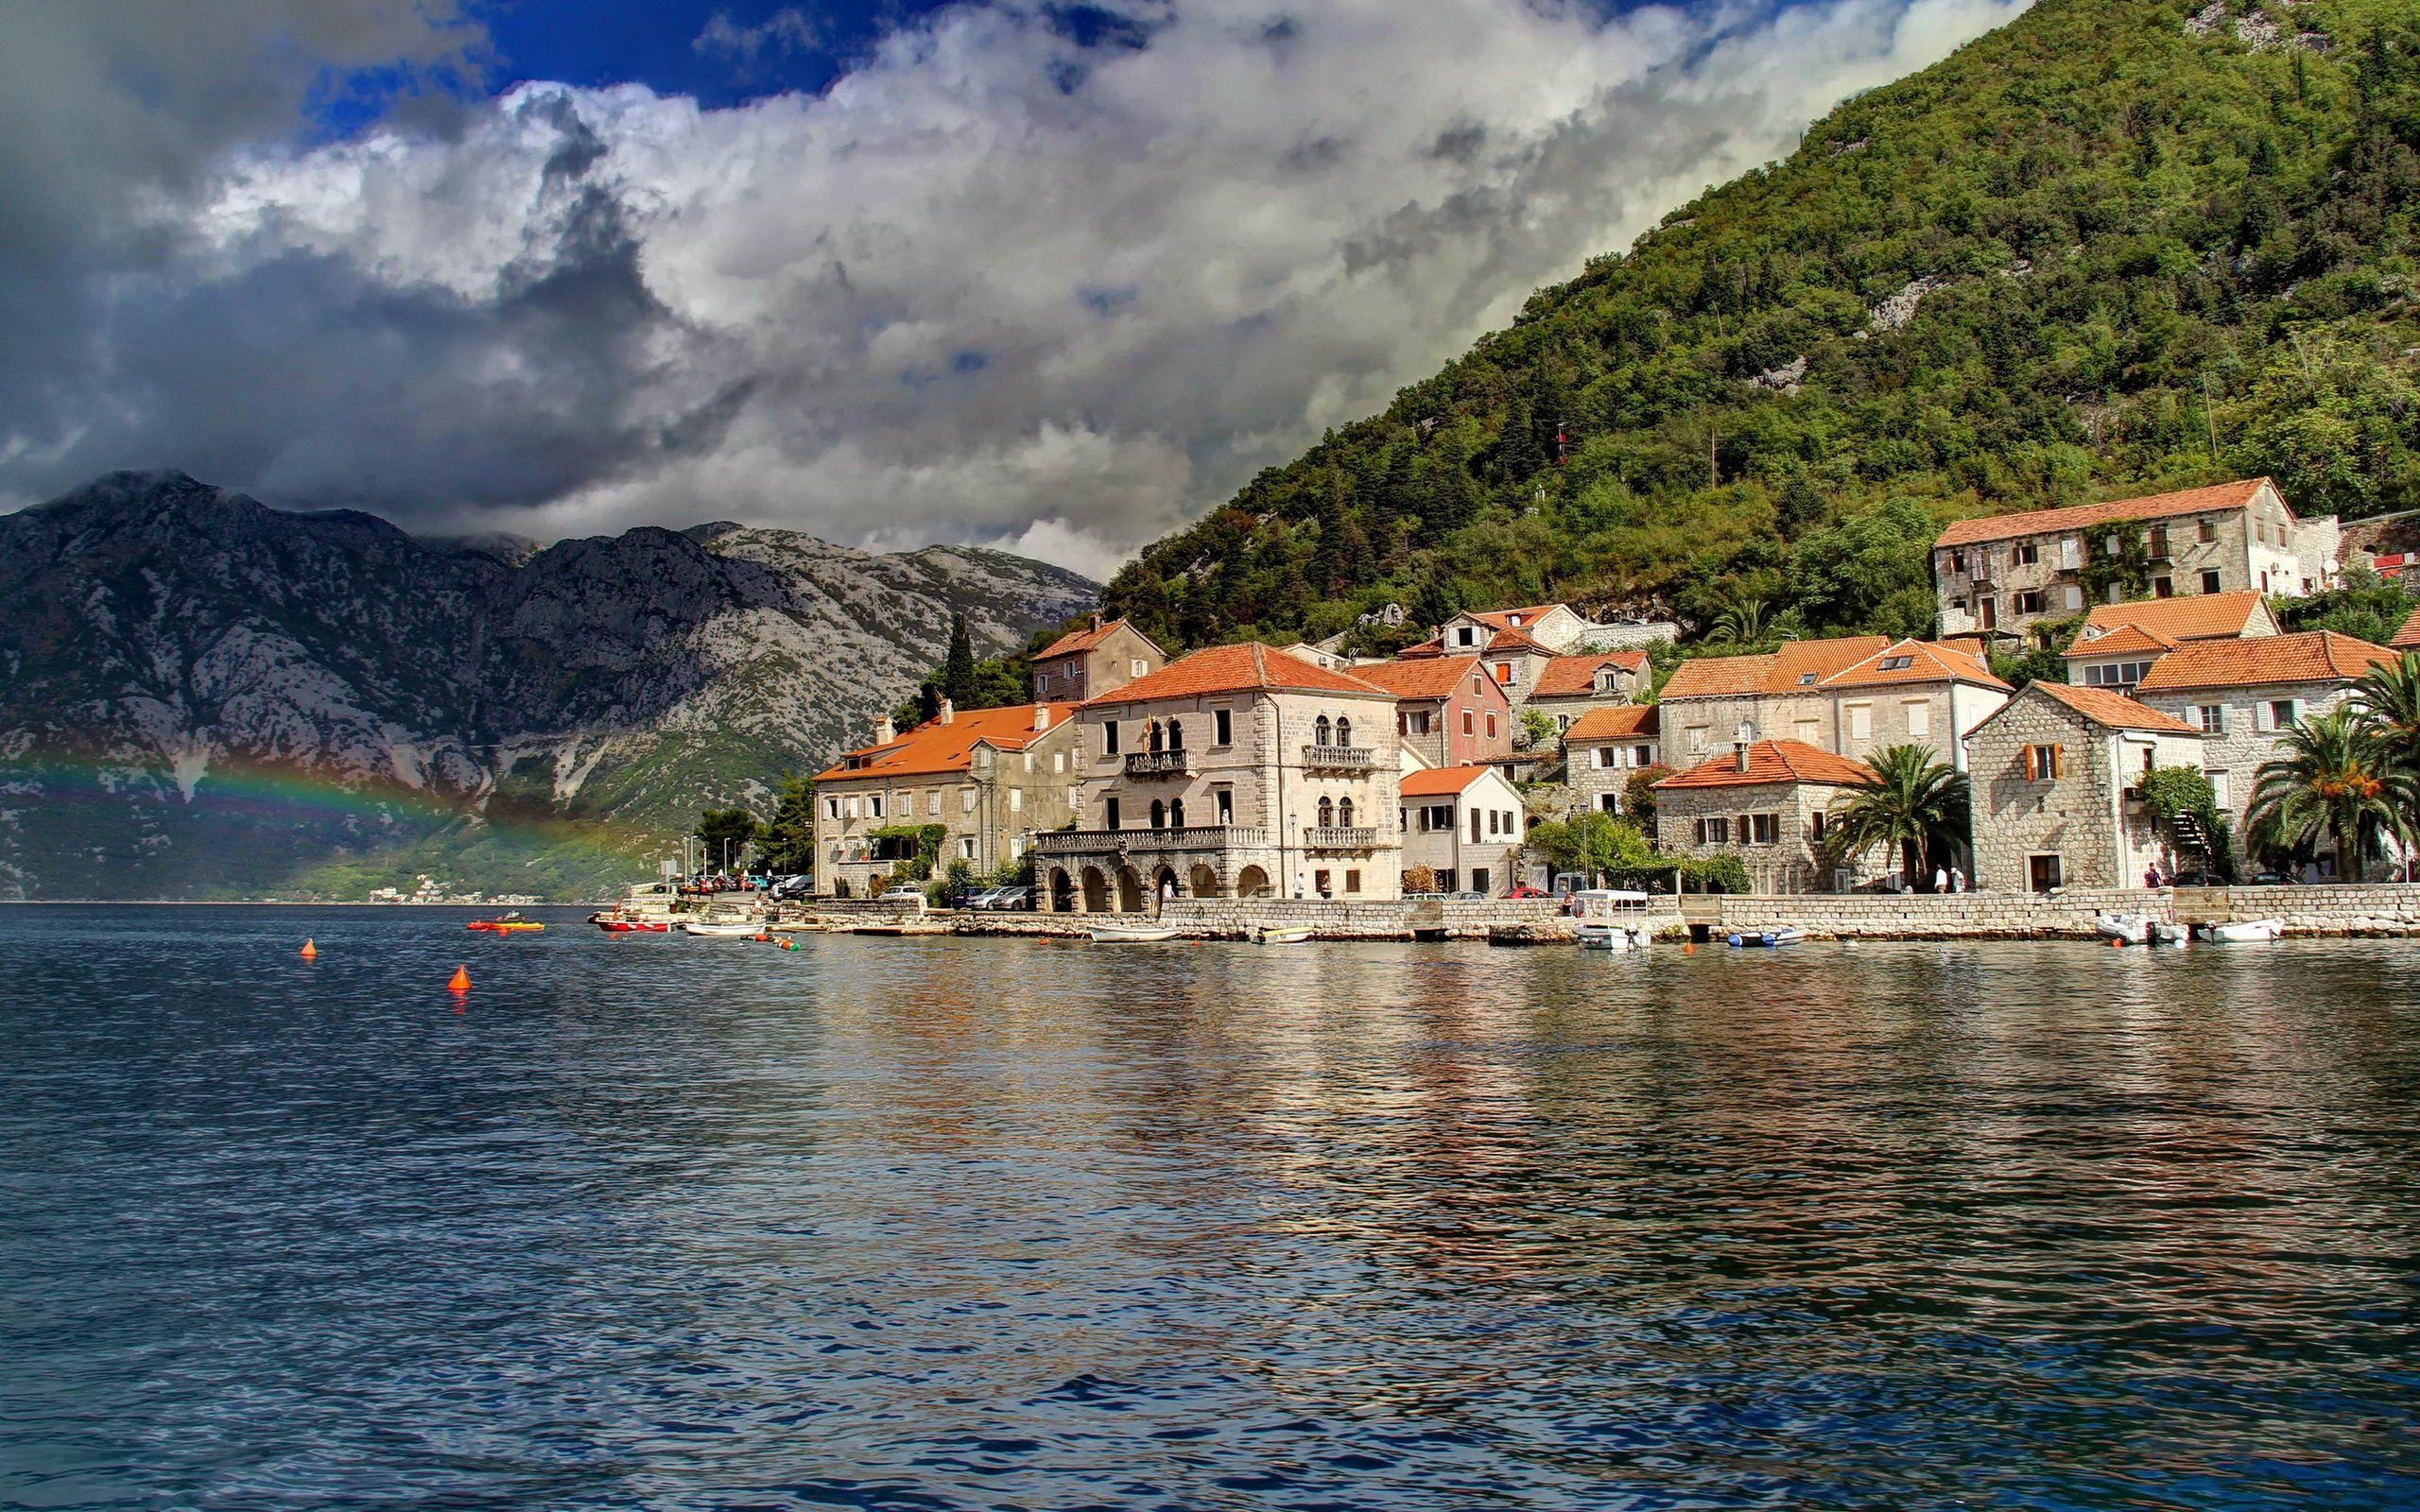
{"points": [[614, 922], [1281, 935], [2246, 932], [2126, 929], [724, 927], [1605, 935], [509, 924], [1133, 934], [1777, 935], [2169, 931], [1610, 920]]}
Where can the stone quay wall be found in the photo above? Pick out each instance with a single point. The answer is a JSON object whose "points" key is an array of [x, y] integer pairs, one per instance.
{"points": [[2375, 910]]}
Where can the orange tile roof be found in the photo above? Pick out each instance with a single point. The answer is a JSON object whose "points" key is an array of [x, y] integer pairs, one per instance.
{"points": [[1434, 677], [1503, 618], [1251, 666], [2114, 710], [2151, 507], [2123, 638], [1511, 640], [1777, 671], [2198, 617], [1440, 781], [1075, 641], [1926, 663], [2315, 656], [1625, 722], [2408, 638], [1774, 761], [934, 747], [1568, 676]]}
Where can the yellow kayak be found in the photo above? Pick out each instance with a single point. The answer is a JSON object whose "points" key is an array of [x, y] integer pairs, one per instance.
{"points": [[505, 926]]}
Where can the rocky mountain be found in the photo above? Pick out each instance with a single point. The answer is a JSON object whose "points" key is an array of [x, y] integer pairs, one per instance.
{"points": [[200, 696]]}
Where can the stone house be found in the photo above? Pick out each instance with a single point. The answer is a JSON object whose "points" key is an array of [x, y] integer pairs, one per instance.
{"points": [[990, 777], [1769, 802], [1447, 709], [2010, 572], [1602, 749], [2119, 641], [1569, 686], [1096, 659], [1237, 771], [1465, 824], [1849, 697], [2244, 695], [2408, 638], [2056, 776], [1558, 630]]}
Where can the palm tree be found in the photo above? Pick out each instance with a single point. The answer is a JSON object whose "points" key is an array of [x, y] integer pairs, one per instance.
{"points": [[2389, 699], [1917, 802], [2339, 776], [1742, 623]]}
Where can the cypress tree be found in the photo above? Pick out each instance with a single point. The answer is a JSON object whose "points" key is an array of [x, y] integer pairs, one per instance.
{"points": [[958, 673]]}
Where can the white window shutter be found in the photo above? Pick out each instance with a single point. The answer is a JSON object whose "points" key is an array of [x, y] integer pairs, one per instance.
{"points": [[2260, 717]]}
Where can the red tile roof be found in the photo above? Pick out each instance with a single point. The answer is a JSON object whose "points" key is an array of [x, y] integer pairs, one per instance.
{"points": [[934, 747], [1777, 671], [2197, 617], [1075, 641], [1435, 677], [1440, 781], [1248, 667], [1568, 677], [1504, 618], [2315, 656], [1774, 761], [2123, 638], [2111, 709], [1510, 639], [2408, 638], [2151, 507], [1926, 661], [1623, 722]]}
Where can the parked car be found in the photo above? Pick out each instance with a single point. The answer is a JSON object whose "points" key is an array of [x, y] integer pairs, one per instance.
{"points": [[1009, 899], [793, 888], [905, 894], [1525, 890], [1469, 895], [2270, 879]]}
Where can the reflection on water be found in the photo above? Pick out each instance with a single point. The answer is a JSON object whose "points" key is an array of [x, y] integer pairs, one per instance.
{"points": [[940, 1224]]}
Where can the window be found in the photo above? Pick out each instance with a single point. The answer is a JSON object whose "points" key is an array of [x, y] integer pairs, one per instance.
{"points": [[1479, 880], [1344, 813], [1958, 561], [1222, 727], [1714, 830], [1109, 807], [1474, 826], [851, 801], [2209, 532], [2070, 554], [1469, 722], [1861, 721], [1763, 828], [1806, 680], [1109, 737], [2044, 763], [2155, 542], [966, 848], [1420, 722], [2115, 674], [2212, 718], [874, 804], [1817, 823], [1445, 878], [1491, 724], [1805, 732], [1353, 882], [2110, 546], [1604, 755], [1608, 679], [2163, 588], [1464, 635], [1322, 731], [2218, 794], [1695, 742], [1642, 756], [1176, 735], [1496, 821], [2028, 602], [1225, 798], [1321, 883], [1344, 732], [2282, 713], [2026, 554], [1327, 813], [1016, 800], [1898, 663], [965, 800], [1609, 802], [2041, 873], [831, 808], [1504, 672], [1919, 718], [933, 801], [2209, 582]]}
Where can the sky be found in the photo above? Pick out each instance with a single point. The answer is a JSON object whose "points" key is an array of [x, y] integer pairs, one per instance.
{"points": [[1045, 276]]}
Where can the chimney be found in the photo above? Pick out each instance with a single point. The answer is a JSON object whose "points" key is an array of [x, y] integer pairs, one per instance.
{"points": [[948, 712], [885, 731], [1041, 717], [1096, 619], [1742, 739], [1739, 755]]}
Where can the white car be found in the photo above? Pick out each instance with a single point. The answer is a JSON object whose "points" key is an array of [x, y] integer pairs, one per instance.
{"points": [[903, 895]]}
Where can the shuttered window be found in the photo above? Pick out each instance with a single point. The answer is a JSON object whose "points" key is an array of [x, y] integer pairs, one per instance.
{"points": [[2044, 763]]}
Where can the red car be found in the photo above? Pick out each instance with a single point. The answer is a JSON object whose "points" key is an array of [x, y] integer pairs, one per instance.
{"points": [[1525, 890]]}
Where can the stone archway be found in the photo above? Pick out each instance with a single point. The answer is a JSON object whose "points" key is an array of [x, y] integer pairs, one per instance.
{"points": [[1164, 880], [1203, 883], [1063, 891], [1096, 892], [1251, 883], [1130, 890]]}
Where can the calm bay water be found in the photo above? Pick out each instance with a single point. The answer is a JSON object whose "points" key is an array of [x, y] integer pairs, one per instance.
{"points": [[698, 1224]]}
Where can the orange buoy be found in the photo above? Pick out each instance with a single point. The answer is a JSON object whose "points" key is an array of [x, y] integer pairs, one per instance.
{"points": [[310, 951], [1690, 948], [461, 982]]}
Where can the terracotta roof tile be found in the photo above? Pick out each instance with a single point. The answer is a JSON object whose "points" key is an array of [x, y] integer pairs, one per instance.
{"points": [[1771, 762], [1568, 677], [1075, 641], [1511, 640], [1249, 667], [2151, 507], [2199, 617], [1626, 722], [934, 747], [2315, 656], [2104, 706], [2408, 638], [1794, 664], [1926, 662], [2123, 638], [1434, 677], [1440, 781]]}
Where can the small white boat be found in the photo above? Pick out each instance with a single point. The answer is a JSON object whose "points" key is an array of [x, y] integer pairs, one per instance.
{"points": [[721, 928], [2248, 932], [1281, 935], [2127, 928], [1610, 920], [1603, 936], [1777, 935], [1131, 933], [2169, 931]]}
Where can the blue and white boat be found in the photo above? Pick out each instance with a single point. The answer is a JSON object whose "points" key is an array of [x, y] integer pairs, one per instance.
{"points": [[1777, 935]]}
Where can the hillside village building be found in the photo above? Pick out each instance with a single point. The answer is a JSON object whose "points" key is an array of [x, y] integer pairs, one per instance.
{"points": [[2056, 777], [1237, 771], [1769, 802], [2119, 641], [989, 778], [1603, 750], [1569, 686], [1464, 824], [1548, 650], [1098, 659], [1848, 697], [2006, 573], [1447, 709]]}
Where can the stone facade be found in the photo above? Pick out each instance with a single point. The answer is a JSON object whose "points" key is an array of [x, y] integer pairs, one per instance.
{"points": [[2073, 825], [1599, 768], [1471, 838], [2246, 730], [990, 797], [1092, 661], [1907, 693], [1782, 824]]}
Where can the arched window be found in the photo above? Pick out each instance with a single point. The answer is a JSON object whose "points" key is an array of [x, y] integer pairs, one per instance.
{"points": [[1344, 732], [1159, 814], [1327, 813], [1321, 733], [1344, 813], [1176, 815], [1176, 735], [1155, 737]]}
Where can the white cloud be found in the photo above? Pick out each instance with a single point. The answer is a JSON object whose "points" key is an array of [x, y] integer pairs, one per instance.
{"points": [[989, 284]]}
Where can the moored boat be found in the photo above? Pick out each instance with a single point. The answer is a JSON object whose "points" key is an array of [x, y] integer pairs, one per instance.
{"points": [[1607, 936], [1131, 933], [2127, 928], [2169, 931], [614, 922], [1281, 935], [2246, 932], [1611, 920], [723, 926], [509, 924], [1777, 935]]}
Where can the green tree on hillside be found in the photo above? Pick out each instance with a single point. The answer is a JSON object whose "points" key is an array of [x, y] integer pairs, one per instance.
{"points": [[726, 835], [787, 843]]}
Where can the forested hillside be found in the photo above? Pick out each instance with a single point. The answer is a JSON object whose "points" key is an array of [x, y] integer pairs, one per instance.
{"points": [[2118, 246]]}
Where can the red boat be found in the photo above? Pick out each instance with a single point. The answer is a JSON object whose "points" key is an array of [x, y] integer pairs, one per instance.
{"points": [[613, 925]]}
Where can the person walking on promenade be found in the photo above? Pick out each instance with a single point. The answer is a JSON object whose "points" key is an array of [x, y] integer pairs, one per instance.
{"points": [[1957, 880]]}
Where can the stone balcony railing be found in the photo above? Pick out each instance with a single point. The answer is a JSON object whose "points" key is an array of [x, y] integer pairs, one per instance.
{"points": [[1335, 837], [1339, 758], [1192, 838], [1159, 763]]}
